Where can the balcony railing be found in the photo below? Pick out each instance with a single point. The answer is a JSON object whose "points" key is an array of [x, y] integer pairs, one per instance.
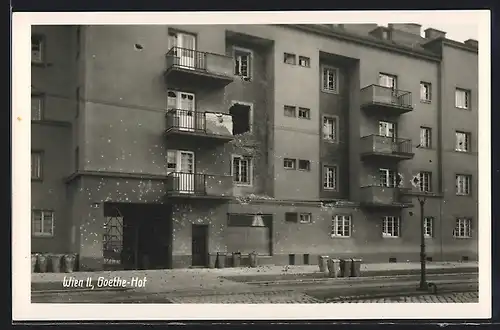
{"points": [[378, 195], [193, 66], [378, 145], [197, 184], [188, 122], [395, 100]]}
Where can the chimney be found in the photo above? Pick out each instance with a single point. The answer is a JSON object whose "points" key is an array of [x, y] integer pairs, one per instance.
{"points": [[412, 28], [431, 33], [471, 43]]}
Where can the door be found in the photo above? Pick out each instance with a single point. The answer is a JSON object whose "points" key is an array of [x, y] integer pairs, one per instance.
{"points": [[388, 130], [187, 45], [185, 172], [199, 245], [185, 111], [390, 82]]}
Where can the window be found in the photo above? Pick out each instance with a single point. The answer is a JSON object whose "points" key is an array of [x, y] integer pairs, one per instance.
{"points": [[425, 137], [389, 178], [463, 182], [42, 223], [305, 218], [36, 107], [289, 163], [462, 141], [330, 177], [330, 79], [424, 181], [330, 128], [304, 165], [291, 217], [425, 92], [387, 80], [304, 113], [242, 63], [304, 61], [289, 111], [428, 225], [462, 98], [341, 226], [36, 165], [391, 226], [171, 160], [242, 170], [463, 228], [37, 49], [289, 58]]}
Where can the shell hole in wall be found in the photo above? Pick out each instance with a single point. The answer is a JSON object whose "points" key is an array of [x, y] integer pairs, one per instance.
{"points": [[392, 260], [241, 118], [138, 47]]}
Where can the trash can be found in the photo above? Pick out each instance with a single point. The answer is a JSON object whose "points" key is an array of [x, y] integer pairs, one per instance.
{"points": [[236, 259], [69, 263], [252, 259], [221, 260], [345, 267], [34, 258], [333, 267], [356, 267], [322, 263], [55, 263], [42, 263]]}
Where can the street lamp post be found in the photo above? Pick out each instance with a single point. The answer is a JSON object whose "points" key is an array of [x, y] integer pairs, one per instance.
{"points": [[423, 282]]}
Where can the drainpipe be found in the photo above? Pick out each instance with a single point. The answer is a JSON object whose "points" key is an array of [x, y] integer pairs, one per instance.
{"points": [[440, 150]]}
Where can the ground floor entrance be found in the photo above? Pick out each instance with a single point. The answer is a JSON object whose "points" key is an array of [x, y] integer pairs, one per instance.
{"points": [[136, 236], [199, 245]]}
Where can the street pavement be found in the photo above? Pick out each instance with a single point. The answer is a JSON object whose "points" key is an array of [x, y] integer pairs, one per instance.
{"points": [[328, 290], [220, 280]]}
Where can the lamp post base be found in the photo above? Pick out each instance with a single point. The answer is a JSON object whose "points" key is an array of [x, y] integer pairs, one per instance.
{"points": [[423, 286]]}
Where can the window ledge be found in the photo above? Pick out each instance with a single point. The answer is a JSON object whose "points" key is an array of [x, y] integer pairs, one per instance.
{"points": [[329, 91], [42, 236], [426, 101]]}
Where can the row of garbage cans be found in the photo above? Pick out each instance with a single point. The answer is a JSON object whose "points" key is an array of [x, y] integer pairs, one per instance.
{"points": [[221, 260], [350, 267], [52, 263]]}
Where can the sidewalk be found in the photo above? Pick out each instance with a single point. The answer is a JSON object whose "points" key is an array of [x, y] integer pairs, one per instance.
{"points": [[169, 280]]}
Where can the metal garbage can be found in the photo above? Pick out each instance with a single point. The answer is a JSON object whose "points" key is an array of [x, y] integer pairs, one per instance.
{"points": [[322, 263], [34, 258], [236, 259], [333, 267], [55, 263], [356, 267], [69, 263], [345, 267], [221, 260], [42, 263], [252, 259]]}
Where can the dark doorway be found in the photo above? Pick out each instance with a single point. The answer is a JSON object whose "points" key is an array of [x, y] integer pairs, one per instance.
{"points": [[145, 239], [199, 245]]}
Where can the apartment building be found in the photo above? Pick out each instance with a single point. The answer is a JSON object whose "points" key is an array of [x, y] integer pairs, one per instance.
{"points": [[161, 146]]}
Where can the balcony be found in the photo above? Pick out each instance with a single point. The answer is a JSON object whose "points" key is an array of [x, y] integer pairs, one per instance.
{"points": [[377, 99], [380, 196], [378, 147], [212, 127], [191, 68], [196, 185]]}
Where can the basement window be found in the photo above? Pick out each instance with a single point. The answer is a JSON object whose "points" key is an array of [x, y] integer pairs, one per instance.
{"points": [[241, 118]]}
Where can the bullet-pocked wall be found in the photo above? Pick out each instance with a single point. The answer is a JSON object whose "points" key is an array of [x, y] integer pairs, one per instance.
{"points": [[53, 81]]}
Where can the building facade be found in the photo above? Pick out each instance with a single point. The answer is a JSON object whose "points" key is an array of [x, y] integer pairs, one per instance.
{"points": [[161, 146]]}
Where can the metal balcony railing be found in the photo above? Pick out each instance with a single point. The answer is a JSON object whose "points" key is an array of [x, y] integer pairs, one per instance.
{"points": [[199, 184], [187, 120], [186, 58], [385, 144], [376, 94]]}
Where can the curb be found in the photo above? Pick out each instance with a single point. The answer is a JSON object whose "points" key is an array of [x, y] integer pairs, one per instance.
{"points": [[317, 276]]}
